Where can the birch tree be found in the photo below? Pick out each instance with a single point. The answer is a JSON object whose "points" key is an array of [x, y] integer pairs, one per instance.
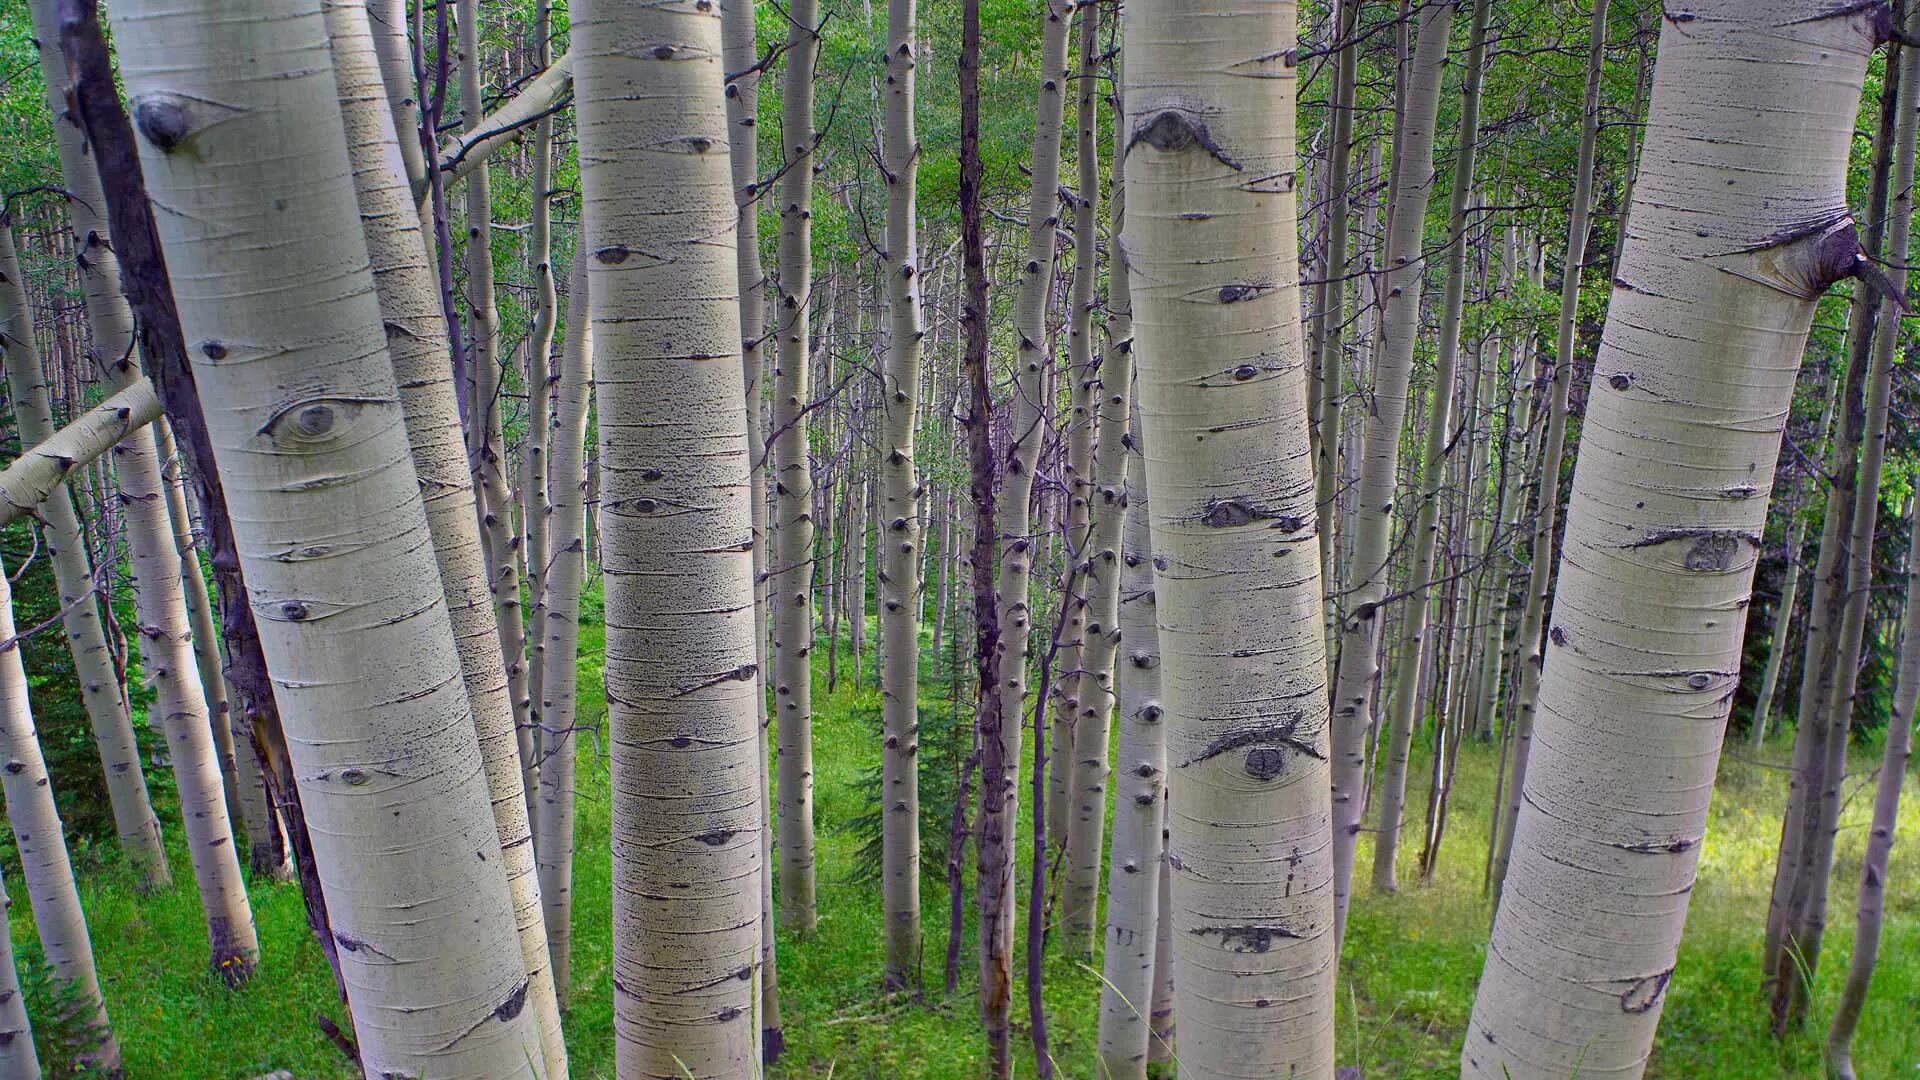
{"points": [[1714, 295]]}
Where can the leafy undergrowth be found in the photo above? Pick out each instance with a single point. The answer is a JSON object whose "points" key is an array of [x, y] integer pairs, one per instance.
{"points": [[1407, 990]]}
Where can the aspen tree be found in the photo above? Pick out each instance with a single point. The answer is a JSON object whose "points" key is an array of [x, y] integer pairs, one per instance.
{"points": [[1354, 707], [790, 595], [135, 825], [463, 153], [1026, 427], [1211, 247], [1530, 656], [304, 418], [899, 520], [676, 536], [560, 707], [535, 500], [1333, 287], [44, 468], [1406, 699], [1709, 315], [18, 1059], [408, 292], [35, 821], [743, 110]]}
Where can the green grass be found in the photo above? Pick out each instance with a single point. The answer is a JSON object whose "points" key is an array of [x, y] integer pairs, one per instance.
{"points": [[1405, 996]]}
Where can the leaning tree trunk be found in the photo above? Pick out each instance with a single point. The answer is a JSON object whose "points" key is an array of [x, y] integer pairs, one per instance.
{"points": [[332, 534], [57, 916], [677, 540], [1354, 706], [899, 523], [1714, 296], [1404, 706], [1529, 657], [559, 683], [1210, 241], [790, 592], [1026, 428], [743, 109], [409, 297], [18, 1060]]}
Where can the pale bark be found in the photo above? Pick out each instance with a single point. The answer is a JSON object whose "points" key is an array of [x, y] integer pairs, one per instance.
{"points": [[409, 299], [1686, 399], [790, 587], [1407, 698], [44, 468], [535, 500], [743, 110], [1333, 287], [1530, 658], [1096, 469], [1026, 427], [899, 524], [526, 110], [1789, 596], [560, 709], [101, 691], [354, 627], [57, 916], [1354, 705], [1223, 397], [18, 1060], [677, 540]]}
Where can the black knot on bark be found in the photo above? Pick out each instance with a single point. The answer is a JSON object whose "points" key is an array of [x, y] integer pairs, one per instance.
{"points": [[1222, 513], [662, 52], [213, 350], [163, 120], [1620, 380], [1173, 130], [613, 255]]}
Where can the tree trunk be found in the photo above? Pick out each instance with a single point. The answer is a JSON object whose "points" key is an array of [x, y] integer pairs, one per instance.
{"points": [[1354, 705], [1333, 287], [536, 502], [42, 469], [357, 635], [899, 523], [677, 534], [57, 916], [1211, 215], [789, 590], [1634, 698], [18, 1060], [1789, 594]]}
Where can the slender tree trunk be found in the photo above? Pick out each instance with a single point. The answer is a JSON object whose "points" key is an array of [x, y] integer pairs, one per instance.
{"points": [[1789, 594], [790, 593], [1354, 705], [1405, 707], [1634, 698], [42, 470], [536, 502], [1530, 659], [743, 110], [899, 524], [1211, 214], [560, 712], [1333, 287], [681, 659], [18, 1060], [356, 632], [57, 916]]}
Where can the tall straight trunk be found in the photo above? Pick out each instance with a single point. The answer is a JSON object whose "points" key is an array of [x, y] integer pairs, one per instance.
{"points": [[37, 832], [18, 1059], [535, 500], [899, 523], [409, 299], [1642, 659], [790, 594], [1096, 469], [135, 825], [486, 449], [366, 670], [166, 635], [1333, 287], [1789, 593], [743, 109], [1407, 698], [1223, 396], [1026, 428], [681, 659], [560, 711], [854, 586], [1530, 659], [1354, 704]]}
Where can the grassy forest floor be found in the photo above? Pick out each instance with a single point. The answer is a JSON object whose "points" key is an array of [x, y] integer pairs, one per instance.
{"points": [[1405, 994]]}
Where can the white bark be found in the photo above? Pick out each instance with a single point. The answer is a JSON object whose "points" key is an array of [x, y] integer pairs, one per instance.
{"points": [[43, 469]]}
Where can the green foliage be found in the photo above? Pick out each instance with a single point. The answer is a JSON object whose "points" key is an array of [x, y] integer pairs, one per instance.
{"points": [[63, 1030]]}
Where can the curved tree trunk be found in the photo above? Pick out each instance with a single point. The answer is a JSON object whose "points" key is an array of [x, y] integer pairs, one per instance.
{"points": [[1686, 398], [354, 628], [1223, 397], [1354, 705], [790, 587], [536, 502], [899, 523], [410, 302], [677, 540], [57, 916]]}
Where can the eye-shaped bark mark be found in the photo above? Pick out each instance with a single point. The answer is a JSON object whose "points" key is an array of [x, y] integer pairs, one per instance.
{"points": [[1266, 748], [1645, 993], [1173, 130], [1659, 847], [1712, 549], [1249, 937], [1805, 260]]}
